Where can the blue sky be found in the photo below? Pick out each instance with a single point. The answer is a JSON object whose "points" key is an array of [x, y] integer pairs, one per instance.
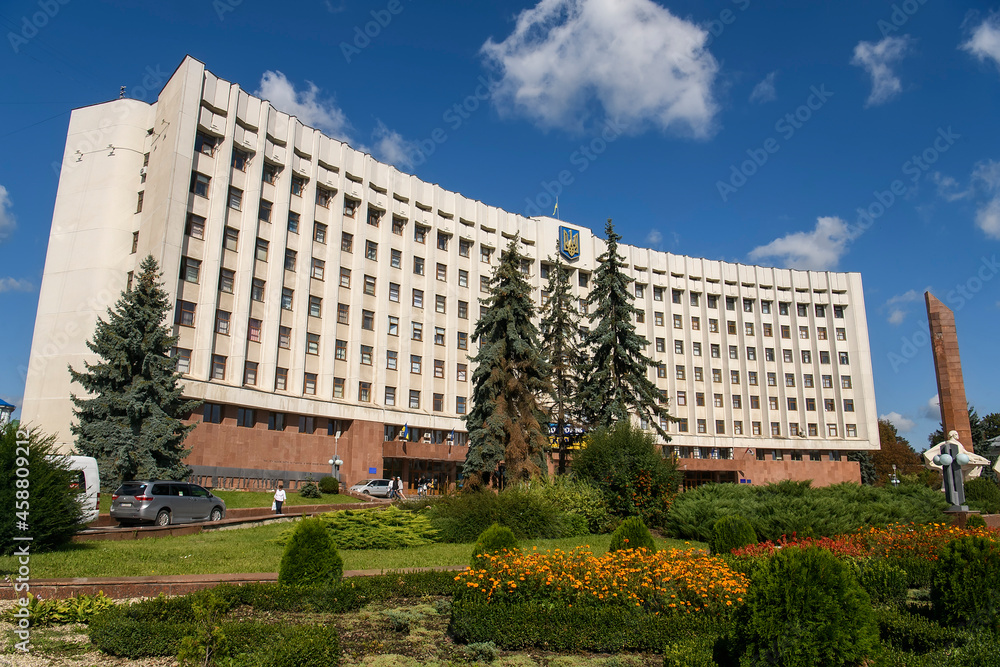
{"points": [[731, 129]]}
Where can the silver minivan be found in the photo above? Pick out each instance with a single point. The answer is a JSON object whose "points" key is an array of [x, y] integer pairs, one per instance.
{"points": [[164, 502]]}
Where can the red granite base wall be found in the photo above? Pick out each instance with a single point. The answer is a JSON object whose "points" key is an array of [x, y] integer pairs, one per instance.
{"points": [[822, 473]]}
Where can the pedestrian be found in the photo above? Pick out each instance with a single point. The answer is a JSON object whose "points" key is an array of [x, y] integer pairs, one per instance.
{"points": [[422, 487], [392, 488], [399, 489], [279, 498]]}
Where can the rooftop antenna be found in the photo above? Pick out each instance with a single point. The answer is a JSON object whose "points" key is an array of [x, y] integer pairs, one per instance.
{"points": [[121, 93]]}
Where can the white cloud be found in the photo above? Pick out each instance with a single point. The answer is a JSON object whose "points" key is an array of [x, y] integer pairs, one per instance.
{"points": [[641, 64], [654, 238], [985, 40], [765, 91], [7, 221], [15, 285], [948, 188], [335, 7], [391, 147], [988, 218], [878, 59], [986, 177], [818, 250], [932, 410], [896, 305], [306, 105], [902, 423]]}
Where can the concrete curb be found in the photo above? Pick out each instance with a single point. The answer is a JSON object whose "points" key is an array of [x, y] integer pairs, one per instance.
{"points": [[134, 587]]}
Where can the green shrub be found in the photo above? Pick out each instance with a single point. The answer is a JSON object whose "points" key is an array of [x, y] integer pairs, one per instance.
{"points": [[493, 539], [914, 633], [884, 581], [481, 652], [578, 499], [918, 570], [975, 521], [631, 534], [605, 629], [205, 646], [463, 517], [116, 633], [55, 512], [788, 508], [731, 532], [983, 494], [77, 609], [390, 528], [310, 557], [965, 588], [310, 490], [256, 644], [805, 608], [329, 484], [629, 469], [695, 652]]}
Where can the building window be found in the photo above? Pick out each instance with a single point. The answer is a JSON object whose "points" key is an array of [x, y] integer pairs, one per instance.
{"points": [[245, 417], [370, 286], [661, 370], [368, 320], [845, 381], [390, 396], [312, 343], [315, 306], [415, 363], [731, 327], [195, 226], [772, 380], [827, 381], [235, 198], [182, 360], [734, 377], [318, 269], [787, 356], [393, 325], [852, 430], [464, 247], [440, 301], [281, 379], [463, 340], [261, 250], [285, 338], [679, 372], [698, 374], [702, 428], [678, 322], [231, 240], [716, 375], [366, 355], [806, 357], [345, 277], [338, 387], [391, 358], [350, 207], [848, 405], [420, 234], [748, 328], [841, 334], [442, 241], [309, 384], [414, 399], [343, 313], [418, 266], [720, 426], [820, 333], [371, 250], [775, 428], [438, 402], [752, 378], [484, 286], [340, 350], [135, 242], [772, 402], [768, 331], [486, 254], [291, 258], [439, 335], [396, 259], [323, 197], [460, 405], [831, 430], [807, 381], [264, 211], [810, 405], [199, 184], [398, 226], [439, 368], [347, 242], [844, 358], [829, 405], [755, 430], [222, 322], [190, 269], [253, 330], [185, 313], [270, 174], [416, 331], [463, 310], [461, 372], [298, 185], [218, 367], [287, 298], [838, 312], [418, 298]]}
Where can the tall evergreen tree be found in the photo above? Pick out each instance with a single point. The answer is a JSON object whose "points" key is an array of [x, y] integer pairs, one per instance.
{"points": [[505, 423], [616, 381], [131, 420], [562, 349]]}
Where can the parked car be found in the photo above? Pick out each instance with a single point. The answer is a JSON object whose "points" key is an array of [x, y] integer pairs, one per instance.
{"points": [[372, 487], [87, 481], [164, 502]]}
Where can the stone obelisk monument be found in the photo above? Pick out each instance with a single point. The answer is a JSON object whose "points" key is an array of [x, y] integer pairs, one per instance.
{"points": [[948, 369]]}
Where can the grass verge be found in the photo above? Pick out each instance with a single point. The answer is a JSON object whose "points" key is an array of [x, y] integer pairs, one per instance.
{"points": [[249, 550]]}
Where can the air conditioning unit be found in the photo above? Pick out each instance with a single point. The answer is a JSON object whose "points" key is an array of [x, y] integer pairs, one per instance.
{"points": [[427, 438]]}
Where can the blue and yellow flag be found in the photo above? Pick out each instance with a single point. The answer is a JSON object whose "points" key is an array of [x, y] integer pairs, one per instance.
{"points": [[405, 434]]}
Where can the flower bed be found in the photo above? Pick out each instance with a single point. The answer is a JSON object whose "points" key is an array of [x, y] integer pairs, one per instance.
{"points": [[662, 582], [900, 541]]}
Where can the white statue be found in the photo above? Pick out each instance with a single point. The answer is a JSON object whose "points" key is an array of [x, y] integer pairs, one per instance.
{"points": [[972, 464]]}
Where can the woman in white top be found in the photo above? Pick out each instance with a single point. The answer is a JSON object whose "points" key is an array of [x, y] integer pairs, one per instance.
{"points": [[279, 498]]}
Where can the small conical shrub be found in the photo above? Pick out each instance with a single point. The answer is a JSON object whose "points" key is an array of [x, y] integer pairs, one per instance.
{"points": [[311, 557], [731, 532], [632, 534], [495, 538], [975, 521], [329, 484]]}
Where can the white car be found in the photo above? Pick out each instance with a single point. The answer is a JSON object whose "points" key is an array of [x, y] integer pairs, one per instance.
{"points": [[86, 480], [372, 487]]}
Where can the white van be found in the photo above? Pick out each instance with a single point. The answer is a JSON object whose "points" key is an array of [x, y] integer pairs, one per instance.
{"points": [[88, 480]]}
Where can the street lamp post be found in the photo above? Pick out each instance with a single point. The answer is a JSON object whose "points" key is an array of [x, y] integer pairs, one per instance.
{"points": [[895, 478]]}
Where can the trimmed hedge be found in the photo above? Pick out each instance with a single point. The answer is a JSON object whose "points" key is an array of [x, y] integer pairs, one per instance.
{"points": [[255, 644], [632, 534], [788, 508], [983, 494], [731, 532], [495, 538], [390, 528], [329, 484], [914, 633], [311, 557], [119, 635], [608, 629]]}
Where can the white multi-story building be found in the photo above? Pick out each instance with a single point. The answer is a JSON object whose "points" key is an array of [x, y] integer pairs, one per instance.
{"points": [[325, 300]]}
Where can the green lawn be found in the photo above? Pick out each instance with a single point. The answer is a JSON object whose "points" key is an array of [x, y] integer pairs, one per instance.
{"points": [[241, 499], [248, 550]]}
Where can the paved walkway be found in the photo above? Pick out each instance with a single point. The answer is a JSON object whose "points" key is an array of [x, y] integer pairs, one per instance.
{"points": [[135, 587]]}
